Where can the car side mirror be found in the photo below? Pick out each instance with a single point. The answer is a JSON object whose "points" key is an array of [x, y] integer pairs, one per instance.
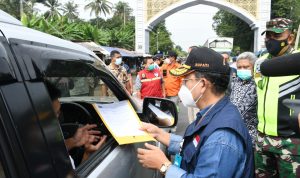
{"points": [[160, 112]]}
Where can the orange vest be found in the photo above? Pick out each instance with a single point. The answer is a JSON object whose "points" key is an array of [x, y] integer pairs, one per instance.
{"points": [[151, 83], [172, 83]]}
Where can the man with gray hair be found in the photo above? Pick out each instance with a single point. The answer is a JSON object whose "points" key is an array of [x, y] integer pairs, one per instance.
{"points": [[243, 92]]}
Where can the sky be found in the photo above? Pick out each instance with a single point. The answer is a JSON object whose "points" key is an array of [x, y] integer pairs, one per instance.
{"points": [[191, 26]]}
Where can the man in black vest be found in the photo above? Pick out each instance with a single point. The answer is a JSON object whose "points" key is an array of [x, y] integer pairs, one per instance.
{"points": [[217, 143]]}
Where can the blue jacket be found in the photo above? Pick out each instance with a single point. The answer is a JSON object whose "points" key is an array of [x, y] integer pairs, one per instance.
{"points": [[223, 120]]}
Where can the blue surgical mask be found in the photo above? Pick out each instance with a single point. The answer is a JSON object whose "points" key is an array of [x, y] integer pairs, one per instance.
{"points": [[244, 74], [151, 67], [118, 61]]}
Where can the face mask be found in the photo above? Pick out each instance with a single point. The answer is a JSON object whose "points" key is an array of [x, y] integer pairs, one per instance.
{"points": [[151, 67], [275, 46], [186, 96], [244, 74], [118, 61], [167, 61]]}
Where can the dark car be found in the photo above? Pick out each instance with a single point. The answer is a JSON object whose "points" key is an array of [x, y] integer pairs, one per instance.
{"points": [[31, 136]]}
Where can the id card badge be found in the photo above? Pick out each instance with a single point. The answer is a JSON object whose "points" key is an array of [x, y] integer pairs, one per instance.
{"points": [[177, 160]]}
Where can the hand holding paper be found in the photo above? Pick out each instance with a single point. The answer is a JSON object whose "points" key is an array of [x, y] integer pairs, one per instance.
{"points": [[159, 134], [122, 121]]}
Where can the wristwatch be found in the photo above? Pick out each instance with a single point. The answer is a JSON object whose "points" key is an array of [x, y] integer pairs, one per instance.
{"points": [[164, 167]]}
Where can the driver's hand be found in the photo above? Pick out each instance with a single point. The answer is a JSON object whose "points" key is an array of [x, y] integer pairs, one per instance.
{"points": [[90, 147], [83, 136]]}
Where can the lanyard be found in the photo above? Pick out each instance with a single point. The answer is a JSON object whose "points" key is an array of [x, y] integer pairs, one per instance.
{"points": [[178, 157], [198, 123], [181, 143]]}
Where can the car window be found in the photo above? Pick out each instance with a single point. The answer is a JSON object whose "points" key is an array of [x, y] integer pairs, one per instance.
{"points": [[77, 96], [87, 88]]}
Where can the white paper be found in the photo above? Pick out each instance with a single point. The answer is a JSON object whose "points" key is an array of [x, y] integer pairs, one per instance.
{"points": [[121, 119], [160, 114]]}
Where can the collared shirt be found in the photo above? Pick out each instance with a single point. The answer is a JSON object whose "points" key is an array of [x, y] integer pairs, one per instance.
{"points": [[222, 155], [120, 72]]}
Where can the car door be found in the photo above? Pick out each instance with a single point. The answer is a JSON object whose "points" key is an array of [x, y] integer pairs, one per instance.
{"points": [[39, 61], [30, 121], [10, 154]]}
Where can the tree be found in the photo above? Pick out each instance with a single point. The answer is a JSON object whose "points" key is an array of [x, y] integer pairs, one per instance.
{"points": [[122, 10], [99, 7], [70, 10], [161, 35], [228, 25], [54, 8], [32, 21], [123, 37], [288, 9], [12, 7], [92, 33], [56, 25], [179, 51]]}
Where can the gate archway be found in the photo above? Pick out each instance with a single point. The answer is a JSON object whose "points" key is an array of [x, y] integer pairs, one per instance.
{"points": [[150, 12]]}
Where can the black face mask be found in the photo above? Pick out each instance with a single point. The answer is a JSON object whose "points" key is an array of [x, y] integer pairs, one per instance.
{"points": [[275, 46]]}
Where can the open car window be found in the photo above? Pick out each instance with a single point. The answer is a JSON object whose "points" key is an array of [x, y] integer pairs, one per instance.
{"points": [[77, 96]]}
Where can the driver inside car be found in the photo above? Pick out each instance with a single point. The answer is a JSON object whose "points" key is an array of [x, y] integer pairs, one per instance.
{"points": [[84, 136]]}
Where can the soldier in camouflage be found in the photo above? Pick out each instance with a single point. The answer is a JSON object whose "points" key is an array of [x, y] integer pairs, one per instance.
{"points": [[277, 144]]}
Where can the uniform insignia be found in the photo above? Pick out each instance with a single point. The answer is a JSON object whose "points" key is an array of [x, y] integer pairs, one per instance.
{"points": [[143, 76], [156, 74]]}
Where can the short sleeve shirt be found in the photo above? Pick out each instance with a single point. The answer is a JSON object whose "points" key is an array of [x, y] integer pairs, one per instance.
{"points": [[127, 68], [120, 73]]}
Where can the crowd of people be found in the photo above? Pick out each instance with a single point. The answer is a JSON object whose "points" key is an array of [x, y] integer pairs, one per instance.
{"points": [[239, 126], [242, 127]]}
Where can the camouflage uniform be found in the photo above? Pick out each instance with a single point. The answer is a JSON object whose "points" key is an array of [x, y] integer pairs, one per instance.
{"points": [[120, 73], [277, 152]]}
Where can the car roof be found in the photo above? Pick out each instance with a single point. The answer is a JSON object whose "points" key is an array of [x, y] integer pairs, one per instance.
{"points": [[13, 28], [6, 18]]}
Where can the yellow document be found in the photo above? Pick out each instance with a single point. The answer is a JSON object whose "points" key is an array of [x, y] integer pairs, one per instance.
{"points": [[122, 122]]}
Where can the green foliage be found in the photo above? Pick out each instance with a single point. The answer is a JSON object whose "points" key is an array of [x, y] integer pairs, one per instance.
{"points": [[70, 10], [161, 36], [99, 7], [54, 8], [179, 51], [228, 25], [92, 33], [288, 9], [123, 11], [12, 7], [116, 31]]}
